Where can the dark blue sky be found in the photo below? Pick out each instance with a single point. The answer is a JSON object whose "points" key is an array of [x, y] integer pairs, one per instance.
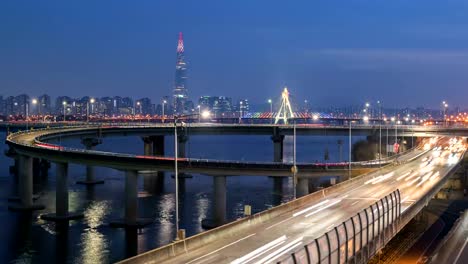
{"points": [[329, 52]]}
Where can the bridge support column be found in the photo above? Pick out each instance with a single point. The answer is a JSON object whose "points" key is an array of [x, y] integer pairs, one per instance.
{"points": [[89, 144], [147, 146], [131, 204], [61, 197], [25, 186], [154, 146], [277, 147], [182, 141], [219, 212], [158, 145], [302, 187]]}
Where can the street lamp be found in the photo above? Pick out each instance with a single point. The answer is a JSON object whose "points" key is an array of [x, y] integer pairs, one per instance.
{"points": [[176, 168], [240, 112], [87, 108], [64, 103], [271, 110], [205, 114], [349, 152], [380, 132], [164, 103], [139, 106], [199, 114], [445, 105], [294, 169]]}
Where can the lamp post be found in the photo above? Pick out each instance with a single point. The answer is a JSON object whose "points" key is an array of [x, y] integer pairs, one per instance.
{"points": [[240, 112], [445, 105], [164, 103], [271, 110], [294, 169], [176, 177], [87, 108], [380, 132], [64, 103], [199, 113], [350, 146], [176, 169]]}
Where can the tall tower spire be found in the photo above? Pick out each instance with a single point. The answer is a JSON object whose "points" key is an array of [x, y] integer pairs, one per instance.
{"points": [[180, 94], [180, 43]]}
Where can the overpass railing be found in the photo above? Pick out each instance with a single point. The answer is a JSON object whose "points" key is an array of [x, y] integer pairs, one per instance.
{"points": [[359, 238], [198, 161], [356, 239]]}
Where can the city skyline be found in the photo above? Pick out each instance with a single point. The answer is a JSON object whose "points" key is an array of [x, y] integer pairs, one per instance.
{"points": [[251, 57]]}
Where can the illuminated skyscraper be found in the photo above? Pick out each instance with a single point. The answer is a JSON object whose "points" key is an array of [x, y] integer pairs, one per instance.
{"points": [[180, 88]]}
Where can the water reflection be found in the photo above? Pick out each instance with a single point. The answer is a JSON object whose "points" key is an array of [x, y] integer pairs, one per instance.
{"points": [[94, 245], [202, 205], [165, 217], [31, 240]]}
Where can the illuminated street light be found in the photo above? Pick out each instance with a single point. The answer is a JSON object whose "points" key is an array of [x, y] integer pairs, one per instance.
{"points": [[365, 118], [271, 110], [205, 114], [92, 100], [64, 103], [164, 103], [445, 106], [315, 117]]}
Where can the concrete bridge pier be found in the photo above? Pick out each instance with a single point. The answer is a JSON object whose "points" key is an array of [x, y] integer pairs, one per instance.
{"points": [[302, 187], [44, 166], [181, 144], [131, 219], [25, 186], [61, 197], [90, 144], [219, 213], [158, 145], [277, 157], [154, 146], [277, 147]]}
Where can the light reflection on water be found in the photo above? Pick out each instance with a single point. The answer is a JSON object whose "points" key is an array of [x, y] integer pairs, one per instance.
{"points": [[164, 218], [94, 245], [90, 240]]}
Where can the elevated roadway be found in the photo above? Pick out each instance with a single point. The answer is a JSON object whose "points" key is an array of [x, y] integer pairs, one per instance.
{"points": [[274, 235], [34, 143]]}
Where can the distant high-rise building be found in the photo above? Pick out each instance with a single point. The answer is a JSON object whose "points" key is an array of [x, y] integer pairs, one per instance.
{"points": [[144, 106], [43, 105], [63, 102], [216, 104], [180, 84], [243, 107], [2, 106]]}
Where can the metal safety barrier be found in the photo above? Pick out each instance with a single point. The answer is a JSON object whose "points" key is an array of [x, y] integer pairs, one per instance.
{"points": [[356, 239]]}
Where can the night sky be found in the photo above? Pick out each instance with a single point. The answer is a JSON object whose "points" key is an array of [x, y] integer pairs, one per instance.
{"points": [[404, 53]]}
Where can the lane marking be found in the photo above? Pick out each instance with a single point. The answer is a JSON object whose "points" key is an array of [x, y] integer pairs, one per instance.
{"points": [[281, 250], [355, 203], [310, 208], [221, 248], [280, 222], [461, 251], [261, 250], [404, 175], [323, 208]]}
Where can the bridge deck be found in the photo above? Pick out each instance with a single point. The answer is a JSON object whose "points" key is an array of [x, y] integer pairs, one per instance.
{"points": [[272, 239], [31, 144]]}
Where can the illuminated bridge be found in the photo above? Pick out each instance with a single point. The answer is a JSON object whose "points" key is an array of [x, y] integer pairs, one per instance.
{"points": [[347, 222]]}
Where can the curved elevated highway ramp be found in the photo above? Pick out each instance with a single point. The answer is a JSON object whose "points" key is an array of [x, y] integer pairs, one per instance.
{"points": [[348, 222]]}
